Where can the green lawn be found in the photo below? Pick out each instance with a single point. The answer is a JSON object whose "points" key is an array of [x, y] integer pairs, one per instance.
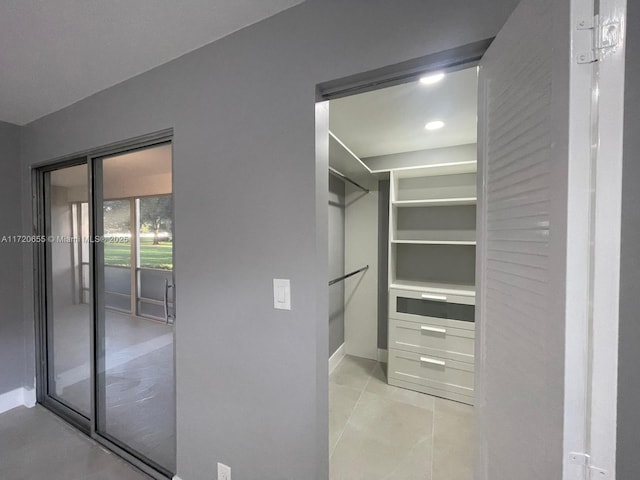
{"points": [[151, 256]]}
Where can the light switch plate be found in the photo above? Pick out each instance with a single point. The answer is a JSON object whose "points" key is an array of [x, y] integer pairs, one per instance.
{"points": [[282, 293]]}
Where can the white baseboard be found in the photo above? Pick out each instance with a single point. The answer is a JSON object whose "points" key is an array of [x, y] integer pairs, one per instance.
{"points": [[11, 400], [383, 355], [20, 397], [176, 477], [29, 397], [336, 358]]}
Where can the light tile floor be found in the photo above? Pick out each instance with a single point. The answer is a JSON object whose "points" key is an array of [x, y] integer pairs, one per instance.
{"points": [[381, 432], [37, 445]]}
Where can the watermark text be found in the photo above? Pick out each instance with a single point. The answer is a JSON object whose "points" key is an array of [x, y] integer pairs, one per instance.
{"points": [[61, 239]]}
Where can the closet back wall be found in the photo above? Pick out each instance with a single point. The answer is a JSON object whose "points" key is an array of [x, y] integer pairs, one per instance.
{"points": [[361, 248], [336, 263], [251, 205]]}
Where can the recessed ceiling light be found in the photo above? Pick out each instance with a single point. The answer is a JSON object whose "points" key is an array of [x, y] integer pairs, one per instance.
{"points": [[431, 79], [435, 125]]}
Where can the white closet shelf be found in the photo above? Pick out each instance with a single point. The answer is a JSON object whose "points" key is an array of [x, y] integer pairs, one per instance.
{"points": [[435, 242], [437, 169], [435, 202], [435, 287]]}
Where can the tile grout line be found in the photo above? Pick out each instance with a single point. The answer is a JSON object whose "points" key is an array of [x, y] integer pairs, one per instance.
{"points": [[364, 388], [433, 437], [358, 402], [352, 410]]}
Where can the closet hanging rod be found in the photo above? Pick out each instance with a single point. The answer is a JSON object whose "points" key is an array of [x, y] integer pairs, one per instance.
{"points": [[344, 177], [339, 279]]}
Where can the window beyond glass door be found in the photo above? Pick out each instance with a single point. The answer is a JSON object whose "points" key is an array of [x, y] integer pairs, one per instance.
{"points": [[155, 255], [117, 254]]}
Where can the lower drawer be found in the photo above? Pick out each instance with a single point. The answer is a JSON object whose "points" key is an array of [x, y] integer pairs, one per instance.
{"points": [[442, 341], [442, 376]]}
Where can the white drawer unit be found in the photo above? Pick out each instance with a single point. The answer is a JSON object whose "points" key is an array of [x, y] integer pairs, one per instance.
{"points": [[433, 375], [432, 339]]}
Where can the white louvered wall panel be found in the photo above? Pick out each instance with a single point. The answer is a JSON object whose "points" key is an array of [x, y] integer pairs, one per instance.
{"points": [[517, 349]]}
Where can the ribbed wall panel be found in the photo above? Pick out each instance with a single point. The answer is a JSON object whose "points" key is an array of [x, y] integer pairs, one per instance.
{"points": [[514, 295], [528, 208]]}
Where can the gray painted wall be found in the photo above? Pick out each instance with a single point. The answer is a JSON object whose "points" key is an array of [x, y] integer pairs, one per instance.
{"points": [[12, 352], [336, 263], [251, 205], [628, 460]]}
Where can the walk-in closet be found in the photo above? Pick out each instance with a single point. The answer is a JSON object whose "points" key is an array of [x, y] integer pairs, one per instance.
{"points": [[402, 237]]}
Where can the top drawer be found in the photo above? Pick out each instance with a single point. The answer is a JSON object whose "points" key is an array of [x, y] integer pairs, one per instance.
{"points": [[418, 306]]}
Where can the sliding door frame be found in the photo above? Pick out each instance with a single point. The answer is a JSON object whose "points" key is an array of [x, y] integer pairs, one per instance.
{"points": [[42, 285], [40, 282]]}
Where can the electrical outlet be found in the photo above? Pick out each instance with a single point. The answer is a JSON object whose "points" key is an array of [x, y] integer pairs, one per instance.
{"points": [[224, 471]]}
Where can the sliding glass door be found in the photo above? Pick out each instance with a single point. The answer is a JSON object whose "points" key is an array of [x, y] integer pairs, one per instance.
{"points": [[107, 301], [135, 401]]}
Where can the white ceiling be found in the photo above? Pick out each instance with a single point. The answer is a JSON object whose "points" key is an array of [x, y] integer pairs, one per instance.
{"points": [[56, 52], [392, 120]]}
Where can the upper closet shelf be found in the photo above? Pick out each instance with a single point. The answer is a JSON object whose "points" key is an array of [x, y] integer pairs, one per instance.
{"points": [[438, 169], [435, 202], [342, 159]]}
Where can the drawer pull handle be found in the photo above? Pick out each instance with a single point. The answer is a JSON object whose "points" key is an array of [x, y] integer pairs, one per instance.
{"points": [[438, 298], [433, 329], [433, 361]]}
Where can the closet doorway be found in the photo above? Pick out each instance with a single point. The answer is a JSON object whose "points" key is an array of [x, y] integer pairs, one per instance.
{"points": [[106, 299], [402, 222], [548, 196]]}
